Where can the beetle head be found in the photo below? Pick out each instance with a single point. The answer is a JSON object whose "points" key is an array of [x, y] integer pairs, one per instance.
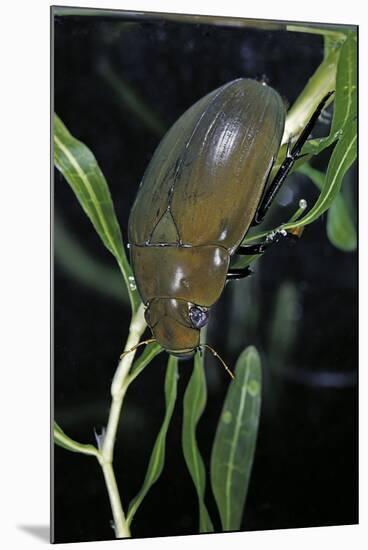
{"points": [[176, 324]]}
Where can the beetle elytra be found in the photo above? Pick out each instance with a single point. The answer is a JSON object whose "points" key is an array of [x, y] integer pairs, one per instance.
{"points": [[205, 186]]}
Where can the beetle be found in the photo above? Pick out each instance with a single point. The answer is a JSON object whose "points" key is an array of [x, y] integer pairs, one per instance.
{"points": [[204, 187]]}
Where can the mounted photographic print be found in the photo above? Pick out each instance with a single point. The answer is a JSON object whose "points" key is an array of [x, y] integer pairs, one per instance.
{"points": [[205, 274]]}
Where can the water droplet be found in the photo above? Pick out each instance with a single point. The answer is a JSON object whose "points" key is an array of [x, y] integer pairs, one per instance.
{"points": [[303, 204], [227, 417], [132, 284]]}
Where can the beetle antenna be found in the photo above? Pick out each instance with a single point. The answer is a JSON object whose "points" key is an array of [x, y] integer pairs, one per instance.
{"points": [[150, 341], [221, 360]]}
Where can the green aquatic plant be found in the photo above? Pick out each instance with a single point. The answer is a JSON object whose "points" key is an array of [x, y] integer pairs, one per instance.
{"points": [[236, 434]]}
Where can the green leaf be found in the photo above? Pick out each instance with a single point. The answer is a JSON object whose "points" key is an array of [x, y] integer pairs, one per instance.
{"points": [[340, 227], [332, 41], [321, 83], [345, 97], [128, 99], [342, 53], [343, 130], [316, 146], [284, 326], [193, 406], [61, 439], [235, 440], [157, 459], [140, 364], [346, 85], [78, 263], [79, 167], [342, 158]]}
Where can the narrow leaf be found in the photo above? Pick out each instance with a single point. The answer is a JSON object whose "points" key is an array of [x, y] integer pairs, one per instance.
{"points": [[128, 98], [332, 41], [346, 85], [194, 403], [321, 83], [342, 158], [80, 169], [345, 96], [283, 326], [140, 364], [343, 56], [75, 260], [316, 146], [61, 439], [340, 227], [157, 459], [235, 440]]}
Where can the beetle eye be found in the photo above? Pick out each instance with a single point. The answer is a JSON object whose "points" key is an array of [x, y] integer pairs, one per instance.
{"points": [[198, 316]]}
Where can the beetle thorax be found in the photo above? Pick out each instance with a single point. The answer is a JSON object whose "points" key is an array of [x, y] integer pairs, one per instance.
{"points": [[194, 274]]}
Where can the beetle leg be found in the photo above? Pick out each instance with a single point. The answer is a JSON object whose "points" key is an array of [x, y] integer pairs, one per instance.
{"points": [[239, 273], [252, 249], [293, 153], [259, 248]]}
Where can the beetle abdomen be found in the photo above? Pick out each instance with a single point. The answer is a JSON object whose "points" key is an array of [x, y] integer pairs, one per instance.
{"points": [[206, 177]]}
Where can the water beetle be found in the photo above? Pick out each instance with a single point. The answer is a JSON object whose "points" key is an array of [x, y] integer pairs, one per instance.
{"points": [[205, 186]]}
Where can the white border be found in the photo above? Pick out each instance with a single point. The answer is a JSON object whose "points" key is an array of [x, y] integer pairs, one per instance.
{"points": [[24, 466]]}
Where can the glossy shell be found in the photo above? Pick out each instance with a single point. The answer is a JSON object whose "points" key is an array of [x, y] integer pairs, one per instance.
{"points": [[201, 190], [211, 168]]}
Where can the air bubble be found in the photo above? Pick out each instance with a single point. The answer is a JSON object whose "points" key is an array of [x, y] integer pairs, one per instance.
{"points": [[132, 284]]}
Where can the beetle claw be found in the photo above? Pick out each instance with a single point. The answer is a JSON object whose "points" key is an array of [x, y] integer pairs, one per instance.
{"points": [[275, 235]]}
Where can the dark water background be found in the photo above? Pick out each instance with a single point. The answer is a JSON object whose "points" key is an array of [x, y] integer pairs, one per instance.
{"points": [[119, 82]]}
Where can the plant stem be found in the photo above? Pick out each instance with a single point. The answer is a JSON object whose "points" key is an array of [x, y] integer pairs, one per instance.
{"points": [[320, 83], [120, 524], [118, 389], [317, 29], [118, 386]]}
